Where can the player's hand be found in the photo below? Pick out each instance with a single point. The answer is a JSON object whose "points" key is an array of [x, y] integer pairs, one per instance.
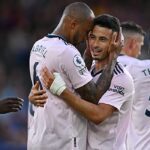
{"points": [[47, 77], [87, 54], [115, 46], [53, 81], [36, 96], [10, 104], [87, 51]]}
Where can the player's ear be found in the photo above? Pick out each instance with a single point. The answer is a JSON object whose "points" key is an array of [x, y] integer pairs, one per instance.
{"points": [[73, 23], [132, 44]]}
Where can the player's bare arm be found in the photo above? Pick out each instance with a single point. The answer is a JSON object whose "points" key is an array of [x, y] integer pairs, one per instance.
{"points": [[93, 112], [10, 104]]}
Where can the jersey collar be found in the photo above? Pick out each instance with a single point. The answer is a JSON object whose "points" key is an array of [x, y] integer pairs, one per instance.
{"points": [[93, 73], [56, 36]]}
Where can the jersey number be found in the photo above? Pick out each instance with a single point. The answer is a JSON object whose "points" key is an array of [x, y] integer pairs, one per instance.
{"points": [[147, 112], [35, 79], [35, 76]]}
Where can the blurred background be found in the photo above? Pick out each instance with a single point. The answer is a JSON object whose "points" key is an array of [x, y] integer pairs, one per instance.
{"points": [[22, 22]]}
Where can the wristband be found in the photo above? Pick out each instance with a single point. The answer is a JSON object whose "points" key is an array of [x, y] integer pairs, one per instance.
{"points": [[58, 85]]}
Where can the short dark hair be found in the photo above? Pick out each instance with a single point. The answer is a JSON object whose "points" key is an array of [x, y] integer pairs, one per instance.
{"points": [[107, 21], [130, 26]]}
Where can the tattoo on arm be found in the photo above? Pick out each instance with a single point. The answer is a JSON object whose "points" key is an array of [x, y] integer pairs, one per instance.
{"points": [[94, 91]]}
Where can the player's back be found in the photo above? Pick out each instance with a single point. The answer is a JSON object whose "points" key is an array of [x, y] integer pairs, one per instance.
{"points": [[57, 126], [139, 131]]}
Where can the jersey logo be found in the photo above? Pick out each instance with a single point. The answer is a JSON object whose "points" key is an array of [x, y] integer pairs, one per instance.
{"points": [[117, 89], [79, 63]]}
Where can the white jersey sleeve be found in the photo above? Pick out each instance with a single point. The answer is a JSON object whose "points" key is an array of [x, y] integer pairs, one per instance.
{"points": [[73, 65], [118, 91]]}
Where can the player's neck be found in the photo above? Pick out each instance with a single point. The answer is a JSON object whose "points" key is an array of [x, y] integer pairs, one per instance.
{"points": [[99, 65], [123, 52], [60, 33]]}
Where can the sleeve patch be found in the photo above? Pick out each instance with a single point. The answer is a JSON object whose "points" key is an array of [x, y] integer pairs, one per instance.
{"points": [[80, 64], [117, 89]]}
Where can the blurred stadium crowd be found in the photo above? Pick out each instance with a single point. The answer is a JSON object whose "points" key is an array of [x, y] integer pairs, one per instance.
{"points": [[22, 22]]}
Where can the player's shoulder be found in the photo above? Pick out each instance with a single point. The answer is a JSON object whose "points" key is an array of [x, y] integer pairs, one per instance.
{"points": [[127, 60], [53, 40], [140, 64], [60, 40], [122, 77], [145, 62], [121, 73], [125, 57], [119, 69], [57, 44]]}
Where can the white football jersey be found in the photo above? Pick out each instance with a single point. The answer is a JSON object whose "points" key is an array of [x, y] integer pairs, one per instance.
{"points": [[57, 126], [111, 133], [126, 60], [139, 131]]}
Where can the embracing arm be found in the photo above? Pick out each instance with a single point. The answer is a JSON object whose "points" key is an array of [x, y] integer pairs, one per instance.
{"points": [[92, 112], [94, 91]]}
